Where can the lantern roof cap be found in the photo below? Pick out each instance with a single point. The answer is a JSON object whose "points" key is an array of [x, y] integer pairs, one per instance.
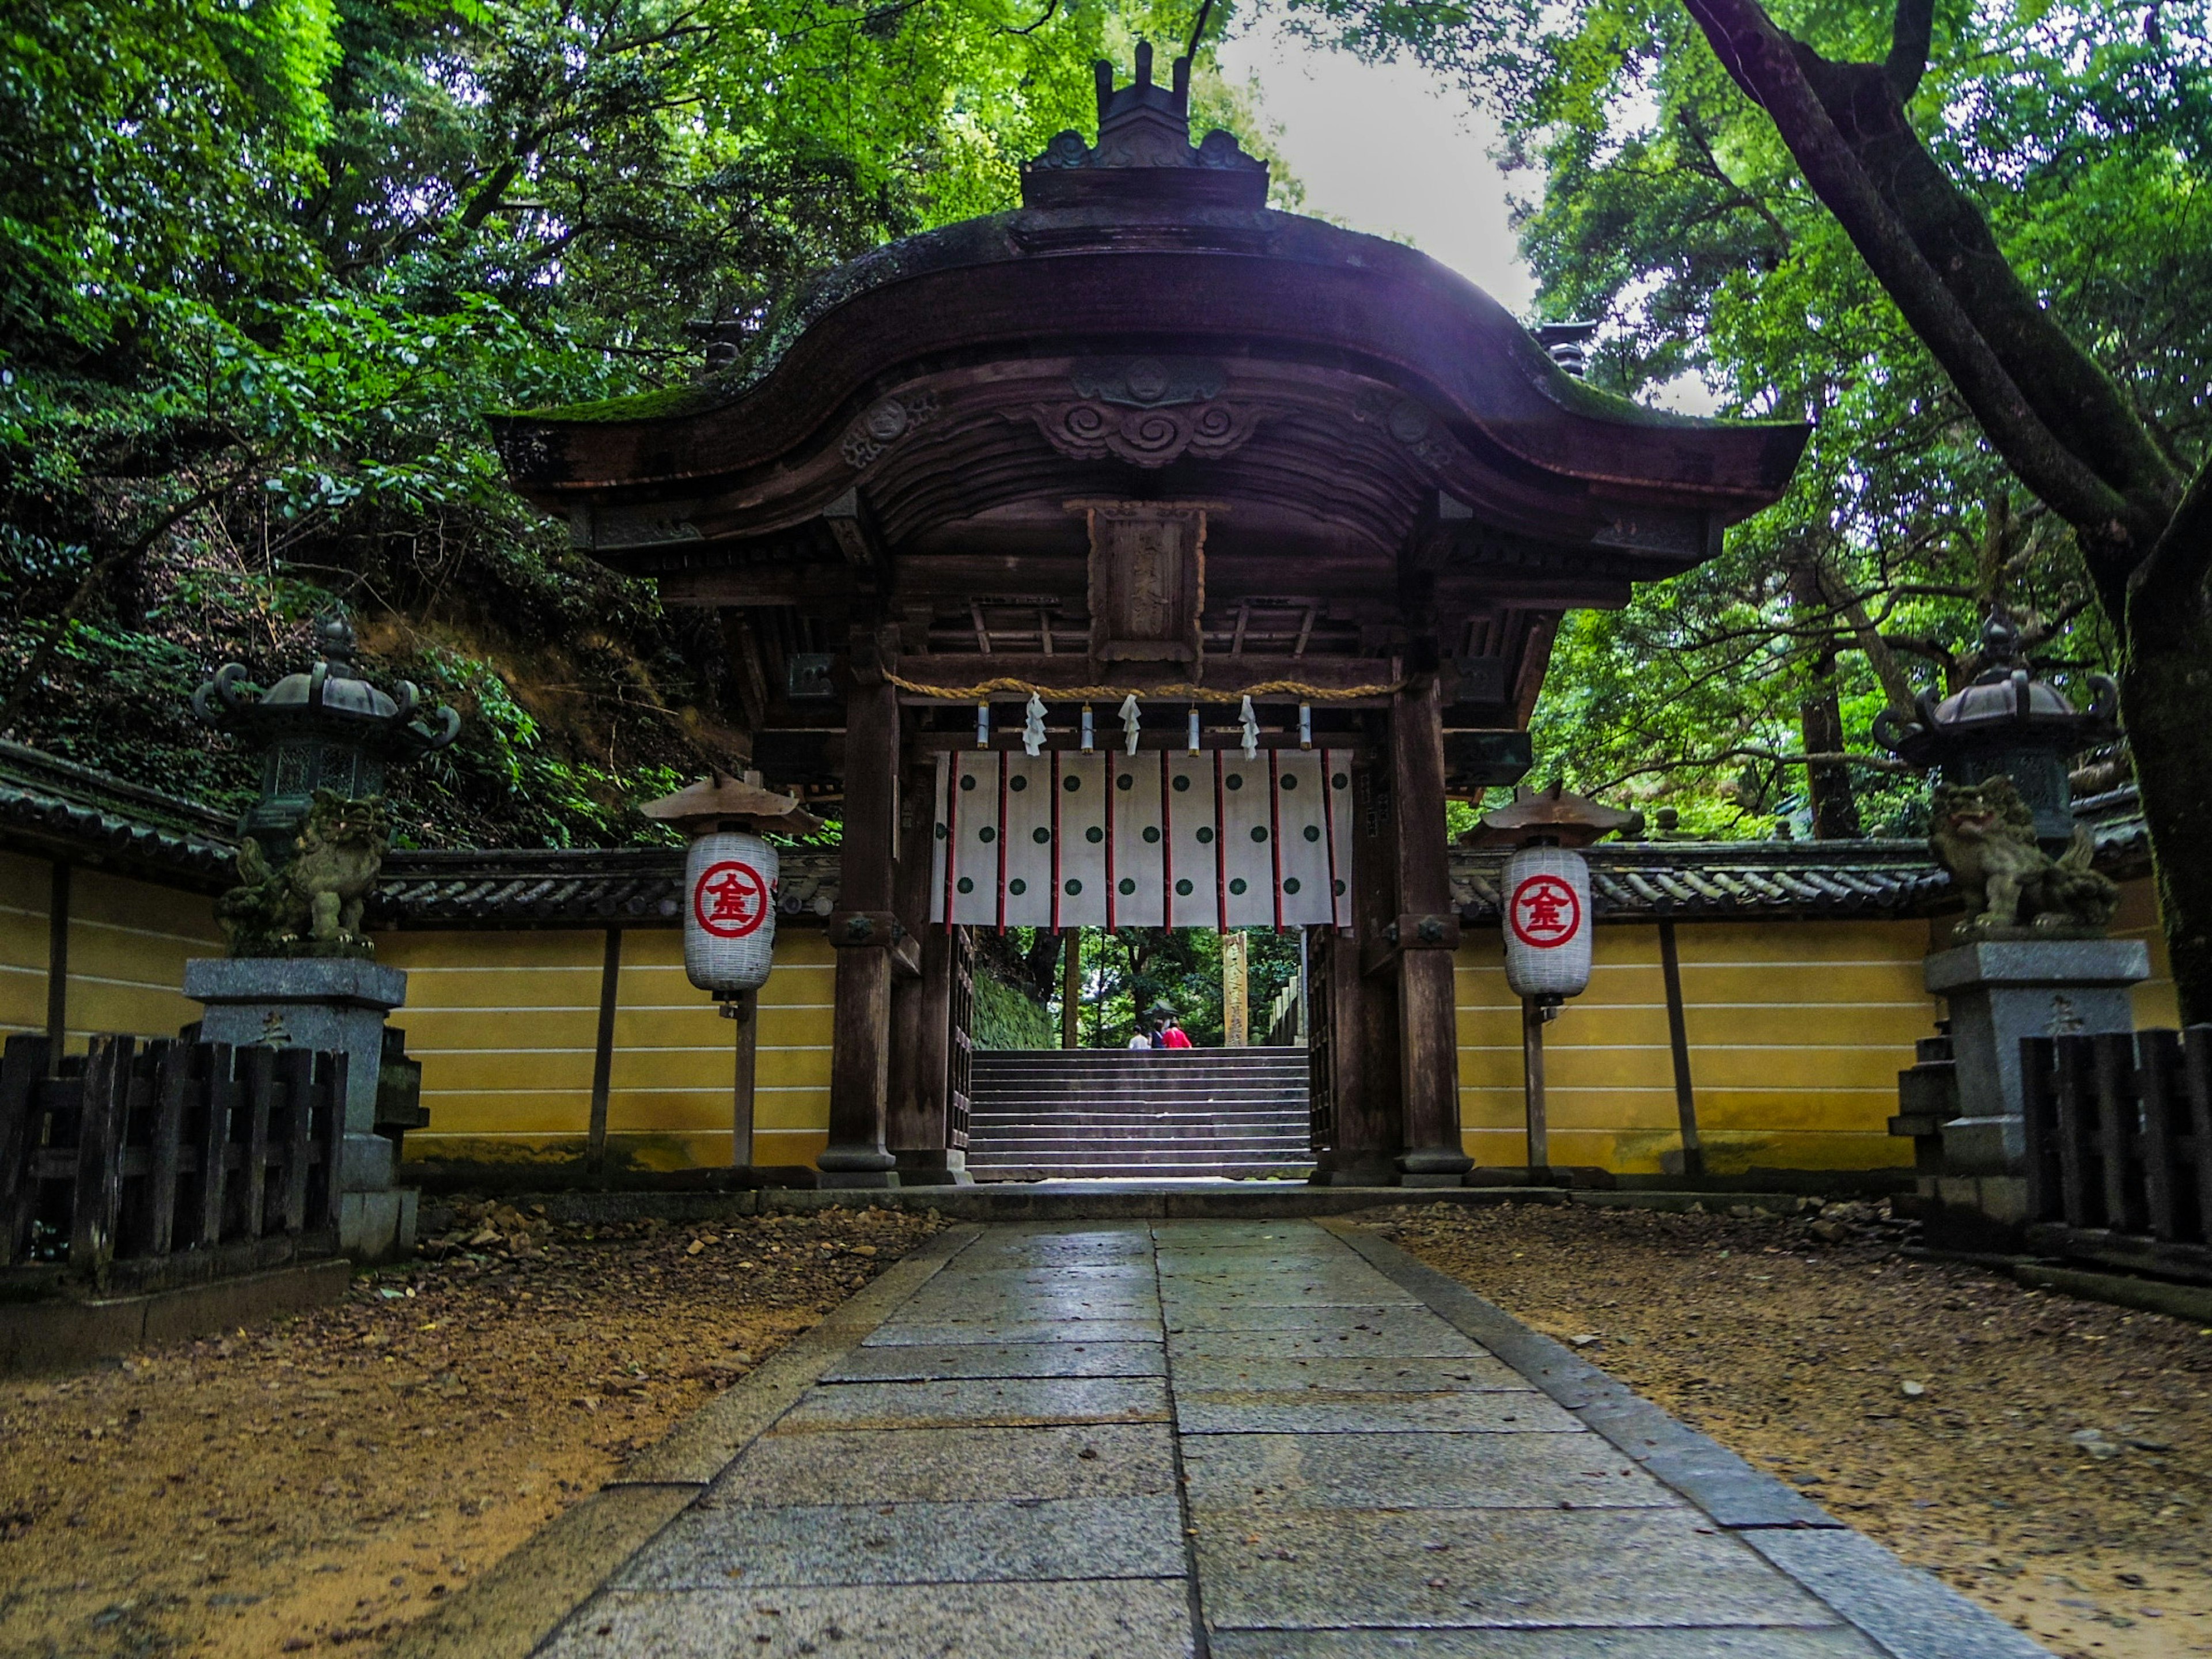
{"points": [[331, 697], [720, 800], [2006, 705], [1535, 817]]}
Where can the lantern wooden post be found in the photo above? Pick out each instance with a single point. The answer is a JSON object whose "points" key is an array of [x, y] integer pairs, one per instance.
{"points": [[864, 933], [1427, 934], [1548, 917]]}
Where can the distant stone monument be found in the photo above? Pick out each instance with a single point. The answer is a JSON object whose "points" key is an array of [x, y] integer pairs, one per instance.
{"points": [[300, 972]]}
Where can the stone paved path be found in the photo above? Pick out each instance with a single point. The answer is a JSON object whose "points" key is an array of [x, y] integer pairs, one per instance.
{"points": [[1242, 1439]]}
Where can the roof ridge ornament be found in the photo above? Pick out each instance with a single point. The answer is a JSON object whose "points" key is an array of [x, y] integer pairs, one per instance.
{"points": [[1144, 129]]}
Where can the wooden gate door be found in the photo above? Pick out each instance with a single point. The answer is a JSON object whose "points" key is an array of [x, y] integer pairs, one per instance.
{"points": [[961, 1060], [1321, 1038]]}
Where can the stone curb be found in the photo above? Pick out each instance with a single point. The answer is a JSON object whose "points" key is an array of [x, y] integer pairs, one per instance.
{"points": [[60, 1335], [1907, 1613], [522, 1601]]}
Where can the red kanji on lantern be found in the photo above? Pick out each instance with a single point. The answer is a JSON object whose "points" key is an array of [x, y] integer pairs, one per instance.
{"points": [[731, 900], [1545, 912]]}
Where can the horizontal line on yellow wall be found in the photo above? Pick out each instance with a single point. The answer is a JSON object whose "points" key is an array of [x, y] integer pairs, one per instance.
{"points": [[585, 1093], [1919, 1006], [197, 942], [1712, 1050], [1513, 1091], [1496, 969], [419, 1052], [594, 969], [162, 987]]}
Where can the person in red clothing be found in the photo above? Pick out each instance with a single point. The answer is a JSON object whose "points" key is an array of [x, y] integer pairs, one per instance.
{"points": [[1166, 1033]]}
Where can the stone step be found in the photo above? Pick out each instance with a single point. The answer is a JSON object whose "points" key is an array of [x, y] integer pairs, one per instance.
{"points": [[1106, 1113]]}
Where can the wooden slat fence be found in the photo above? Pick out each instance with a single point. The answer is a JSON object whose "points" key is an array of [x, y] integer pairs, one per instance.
{"points": [[146, 1163], [2119, 1135]]}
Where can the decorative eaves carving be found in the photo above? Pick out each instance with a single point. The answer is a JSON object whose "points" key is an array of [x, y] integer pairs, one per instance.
{"points": [[1091, 430], [884, 423]]}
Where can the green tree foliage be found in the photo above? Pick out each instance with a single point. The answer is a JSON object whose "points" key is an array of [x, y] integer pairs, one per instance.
{"points": [[1970, 237], [267, 263]]}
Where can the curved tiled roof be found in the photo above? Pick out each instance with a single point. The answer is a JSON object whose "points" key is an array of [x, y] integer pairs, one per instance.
{"points": [[523, 887], [53, 808], [1748, 879]]}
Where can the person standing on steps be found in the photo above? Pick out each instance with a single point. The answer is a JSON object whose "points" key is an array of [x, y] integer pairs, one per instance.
{"points": [[1172, 1035], [1141, 1039]]}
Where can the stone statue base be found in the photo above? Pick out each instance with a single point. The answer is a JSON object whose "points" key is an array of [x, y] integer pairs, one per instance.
{"points": [[328, 1003], [2001, 991]]}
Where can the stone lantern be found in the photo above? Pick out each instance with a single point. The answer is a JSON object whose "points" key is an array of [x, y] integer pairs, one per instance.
{"points": [[310, 847], [2001, 982], [2007, 722]]}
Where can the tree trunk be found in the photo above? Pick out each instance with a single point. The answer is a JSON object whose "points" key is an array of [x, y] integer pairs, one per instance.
{"points": [[1820, 718], [2163, 708]]}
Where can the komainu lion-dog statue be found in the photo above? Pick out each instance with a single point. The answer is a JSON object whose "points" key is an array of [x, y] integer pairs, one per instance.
{"points": [[310, 904], [1985, 834]]}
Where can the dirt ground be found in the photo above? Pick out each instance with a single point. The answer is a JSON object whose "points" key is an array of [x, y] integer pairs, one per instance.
{"points": [[2050, 1458], [320, 1484]]}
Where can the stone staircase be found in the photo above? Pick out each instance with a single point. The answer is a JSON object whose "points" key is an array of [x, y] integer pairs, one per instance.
{"points": [[1094, 1113]]}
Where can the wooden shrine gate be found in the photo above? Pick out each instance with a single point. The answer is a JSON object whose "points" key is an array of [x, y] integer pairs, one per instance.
{"points": [[1147, 438]]}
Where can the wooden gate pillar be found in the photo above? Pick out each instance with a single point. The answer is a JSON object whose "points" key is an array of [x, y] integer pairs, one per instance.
{"points": [[1363, 1008], [1425, 940], [865, 932], [921, 1006]]}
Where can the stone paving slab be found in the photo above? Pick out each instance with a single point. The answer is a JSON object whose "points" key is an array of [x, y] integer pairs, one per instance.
{"points": [[1297, 1412], [1317, 1448], [925, 1362], [1415, 1472], [1010, 1403], [1835, 1642], [1319, 1570], [933, 1333], [951, 1306], [711, 1547], [1050, 1277], [1115, 1619], [1202, 1372], [959, 1465], [1365, 1332], [1283, 1291]]}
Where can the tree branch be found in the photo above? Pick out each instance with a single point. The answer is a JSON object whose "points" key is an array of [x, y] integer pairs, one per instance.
{"points": [[29, 679], [1769, 66], [1910, 30]]}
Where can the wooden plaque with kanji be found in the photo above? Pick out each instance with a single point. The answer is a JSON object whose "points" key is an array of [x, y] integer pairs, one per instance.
{"points": [[1147, 581]]}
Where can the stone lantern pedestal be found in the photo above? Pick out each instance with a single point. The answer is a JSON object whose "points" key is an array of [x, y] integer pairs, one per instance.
{"points": [[1999, 992], [328, 1003]]}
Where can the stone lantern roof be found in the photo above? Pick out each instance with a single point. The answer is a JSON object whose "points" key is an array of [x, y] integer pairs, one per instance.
{"points": [[2007, 722]]}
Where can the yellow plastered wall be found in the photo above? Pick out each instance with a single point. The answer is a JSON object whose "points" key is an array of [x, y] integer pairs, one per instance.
{"points": [[2155, 1001], [1796, 1034], [127, 942], [505, 1025]]}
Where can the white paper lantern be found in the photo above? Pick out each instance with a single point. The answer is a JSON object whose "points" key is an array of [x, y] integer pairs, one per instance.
{"points": [[729, 912], [1547, 921]]}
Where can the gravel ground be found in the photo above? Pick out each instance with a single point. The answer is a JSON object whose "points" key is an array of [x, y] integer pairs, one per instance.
{"points": [[2052, 1459], [319, 1484]]}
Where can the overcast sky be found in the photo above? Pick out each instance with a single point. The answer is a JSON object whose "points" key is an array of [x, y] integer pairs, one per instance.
{"points": [[1384, 150]]}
